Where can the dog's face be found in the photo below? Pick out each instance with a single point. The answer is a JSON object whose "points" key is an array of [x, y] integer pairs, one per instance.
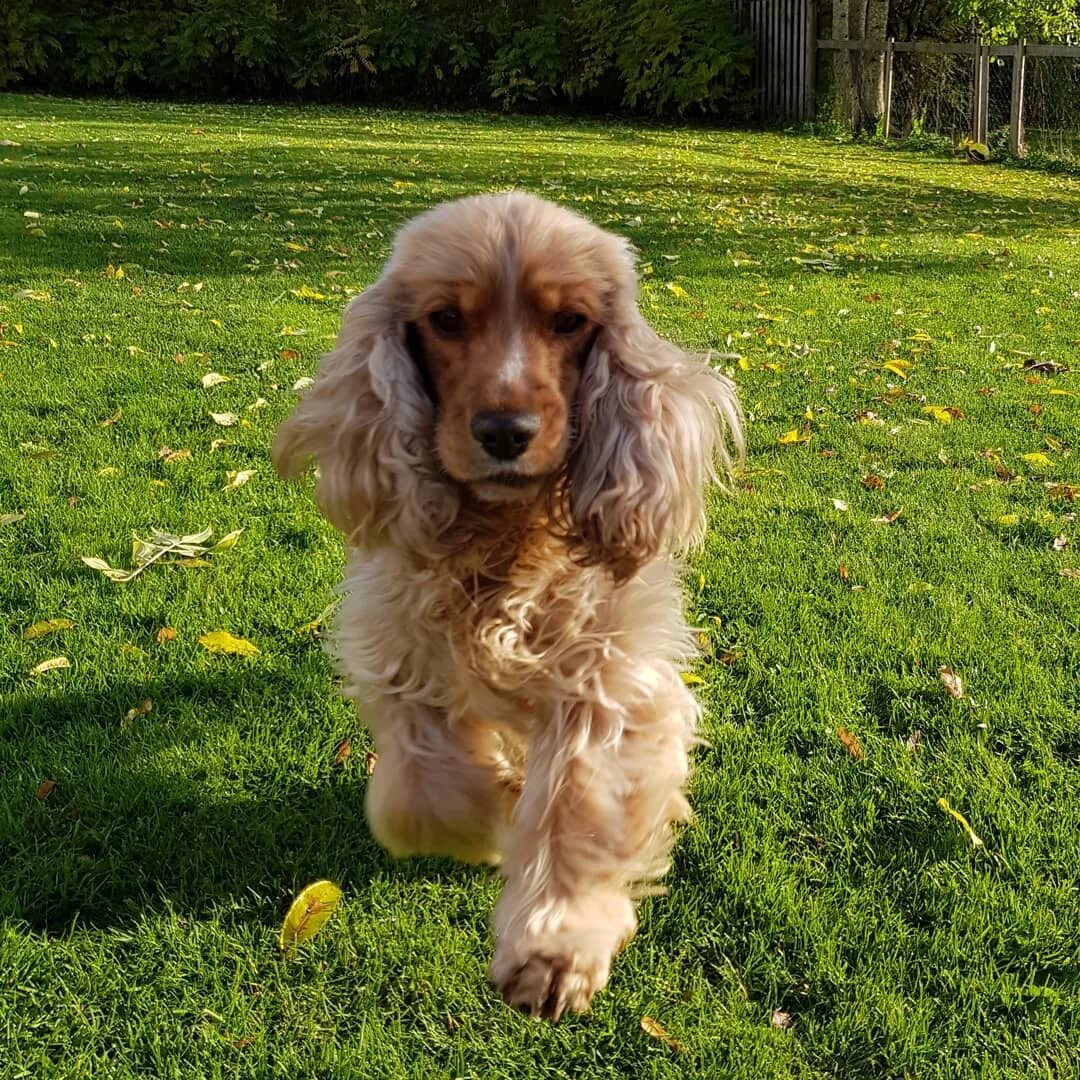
{"points": [[501, 331]]}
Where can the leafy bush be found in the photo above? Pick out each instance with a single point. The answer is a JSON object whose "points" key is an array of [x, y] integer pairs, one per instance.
{"points": [[681, 56]]}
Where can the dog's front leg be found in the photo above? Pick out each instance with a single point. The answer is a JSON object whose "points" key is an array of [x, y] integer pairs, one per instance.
{"points": [[603, 786]]}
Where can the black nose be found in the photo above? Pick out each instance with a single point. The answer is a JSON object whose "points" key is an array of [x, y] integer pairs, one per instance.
{"points": [[505, 435]]}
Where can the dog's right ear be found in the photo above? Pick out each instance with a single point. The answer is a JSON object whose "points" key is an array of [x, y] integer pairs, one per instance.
{"points": [[369, 425]]}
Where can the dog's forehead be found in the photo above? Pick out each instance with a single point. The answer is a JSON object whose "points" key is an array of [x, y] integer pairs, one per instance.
{"points": [[477, 250]]}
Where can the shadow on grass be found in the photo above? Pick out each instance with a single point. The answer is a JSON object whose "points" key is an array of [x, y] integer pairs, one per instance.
{"points": [[151, 817]]}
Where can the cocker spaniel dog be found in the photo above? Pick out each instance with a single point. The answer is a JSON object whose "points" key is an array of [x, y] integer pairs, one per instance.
{"points": [[514, 457]]}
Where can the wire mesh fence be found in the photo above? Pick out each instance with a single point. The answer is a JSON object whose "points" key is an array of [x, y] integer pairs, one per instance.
{"points": [[932, 96], [1052, 108]]}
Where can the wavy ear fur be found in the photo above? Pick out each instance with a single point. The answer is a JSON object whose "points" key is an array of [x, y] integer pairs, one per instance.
{"points": [[655, 426], [368, 423]]}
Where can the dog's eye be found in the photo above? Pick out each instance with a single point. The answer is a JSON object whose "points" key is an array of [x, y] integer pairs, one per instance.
{"points": [[447, 321], [568, 322]]}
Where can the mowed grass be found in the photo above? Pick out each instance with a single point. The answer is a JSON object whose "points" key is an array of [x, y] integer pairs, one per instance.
{"points": [[825, 916]]}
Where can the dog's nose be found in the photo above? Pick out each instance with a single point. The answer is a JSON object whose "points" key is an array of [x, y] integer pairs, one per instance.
{"points": [[505, 435]]}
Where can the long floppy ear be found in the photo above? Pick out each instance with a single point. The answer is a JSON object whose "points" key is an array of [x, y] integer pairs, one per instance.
{"points": [[655, 426], [369, 424]]}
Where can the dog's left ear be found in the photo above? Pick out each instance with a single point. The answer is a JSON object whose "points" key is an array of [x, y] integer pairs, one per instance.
{"points": [[656, 424]]}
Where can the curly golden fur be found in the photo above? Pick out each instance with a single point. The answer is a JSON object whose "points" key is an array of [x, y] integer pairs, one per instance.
{"points": [[515, 458]]}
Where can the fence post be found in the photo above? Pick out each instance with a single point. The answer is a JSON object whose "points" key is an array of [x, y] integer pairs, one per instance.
{"points": [[1016, 104], [888, 87], [982, 99], [809, 102]]}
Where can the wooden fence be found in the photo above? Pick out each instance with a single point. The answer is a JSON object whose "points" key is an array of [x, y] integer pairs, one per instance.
{"points": [[784, 33], [1018, 52]]}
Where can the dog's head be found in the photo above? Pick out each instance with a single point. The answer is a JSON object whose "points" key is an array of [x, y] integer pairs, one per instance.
{"points": [[501, 357]]}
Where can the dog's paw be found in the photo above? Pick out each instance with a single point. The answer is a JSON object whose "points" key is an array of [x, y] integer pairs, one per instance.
{"points": [[546, 986], [560, 969]]}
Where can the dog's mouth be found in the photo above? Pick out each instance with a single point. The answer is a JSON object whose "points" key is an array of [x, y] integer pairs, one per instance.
{"points": [[506, 487], [511, 479]]}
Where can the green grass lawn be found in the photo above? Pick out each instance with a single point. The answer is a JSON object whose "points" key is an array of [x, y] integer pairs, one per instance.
{"points": [[825, 917]]}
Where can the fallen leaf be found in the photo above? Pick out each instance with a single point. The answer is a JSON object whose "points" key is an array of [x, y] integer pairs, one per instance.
{"points": [[39, 295], [839, 504], [952, 682], [1070, 572], [1008, 520], [54, 663], [889, 518], [779, 1018], [142, 709], [900, 368], [656, 1030], [959, 818], [1040, 461], [371, 759], [10, 519], [306, 293], [227, 541], [872, 482], [677, 289], [114, 419], [224, 419], [943, 414], [309, 913], [48, 626], [1059, 543], [303, 383], [221, 641], [288, 354], [691, 679], [238, 478], [842, 571], [342, 752], [914, 741], [795, 435], [851, 743], [214, 378], [166, 633], [45, 789]]}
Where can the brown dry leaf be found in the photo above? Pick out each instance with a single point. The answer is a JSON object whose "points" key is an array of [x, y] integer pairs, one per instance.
{"points": [[943, 414], [952, 682], [874, 483], [370, 761], [142, 709], [166, 633], [842, 570], [45, 789], [1059, 543], [1035, 408], [781, 1019], [342, 752], [1068, 492], [851, 743], [914, 741], [889, 518], [288, 354], [656, 1030], [1070, 572]]}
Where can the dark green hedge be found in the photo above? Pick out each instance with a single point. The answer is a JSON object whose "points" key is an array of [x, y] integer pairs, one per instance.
{"points": [[658, 56]]}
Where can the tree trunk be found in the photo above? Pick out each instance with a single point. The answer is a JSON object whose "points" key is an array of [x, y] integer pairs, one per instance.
{"points": [[867, 19]]}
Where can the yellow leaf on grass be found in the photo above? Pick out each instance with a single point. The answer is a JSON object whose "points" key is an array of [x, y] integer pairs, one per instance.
{"points": [[224, 419], [33, 294], [943, 414], [10, 519], [48, 626], [309, 913], [656, 1030], [214, 378], [677, 289], [1040, 461], [306, 293], [221, 641], [238, 478], [795, 435], [54, 663], [1009, 520], [959, 818], [227, 541], [900, 368], [691, 679]]}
